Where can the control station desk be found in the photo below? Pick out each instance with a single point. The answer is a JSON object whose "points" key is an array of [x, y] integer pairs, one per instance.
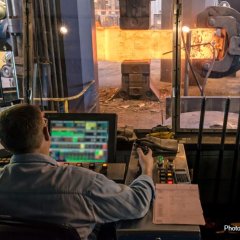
{"points": [[144, 228]]}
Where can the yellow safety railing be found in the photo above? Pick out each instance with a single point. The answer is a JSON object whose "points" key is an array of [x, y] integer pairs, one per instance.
{"points": [[65, 99]]}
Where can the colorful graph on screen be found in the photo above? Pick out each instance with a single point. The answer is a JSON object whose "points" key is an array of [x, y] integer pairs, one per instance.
{"points": [[79, 141]]}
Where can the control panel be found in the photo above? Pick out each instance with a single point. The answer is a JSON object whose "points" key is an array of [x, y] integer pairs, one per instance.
{"points": [[168, 169], [168, 173]]}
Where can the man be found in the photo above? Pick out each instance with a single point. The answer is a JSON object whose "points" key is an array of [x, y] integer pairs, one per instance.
{"points": [[33, 186]]}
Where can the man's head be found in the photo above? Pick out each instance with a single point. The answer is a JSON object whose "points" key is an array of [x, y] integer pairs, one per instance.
{"points": [[23, 130]]}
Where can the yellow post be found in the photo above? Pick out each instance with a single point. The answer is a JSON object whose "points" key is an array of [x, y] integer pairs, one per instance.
{"points": [[66, 106]]}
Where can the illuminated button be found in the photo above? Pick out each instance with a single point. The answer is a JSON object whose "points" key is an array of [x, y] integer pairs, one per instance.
{"points": [[104, 169], [104, 166], [169, 175], [170, 181], [160, 160], [91, 166]]}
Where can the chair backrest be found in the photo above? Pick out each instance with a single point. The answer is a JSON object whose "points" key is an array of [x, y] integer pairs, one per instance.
{"points": [[19, 229]]}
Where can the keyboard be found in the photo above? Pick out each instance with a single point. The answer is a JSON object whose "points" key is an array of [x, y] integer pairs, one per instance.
{"points": [[181, 176]]}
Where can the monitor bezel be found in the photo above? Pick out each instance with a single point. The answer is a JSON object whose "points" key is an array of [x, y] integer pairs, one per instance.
{"points": [[109, 117]]}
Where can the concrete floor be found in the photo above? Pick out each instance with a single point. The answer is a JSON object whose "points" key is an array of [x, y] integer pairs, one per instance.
{"points": [[145, 114]]}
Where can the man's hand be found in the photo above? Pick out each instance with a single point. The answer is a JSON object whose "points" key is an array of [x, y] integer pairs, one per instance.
{"points": [[146, 161]]}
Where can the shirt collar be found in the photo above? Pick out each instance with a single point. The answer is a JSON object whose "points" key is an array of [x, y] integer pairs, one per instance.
{"points": [[33, 158]]}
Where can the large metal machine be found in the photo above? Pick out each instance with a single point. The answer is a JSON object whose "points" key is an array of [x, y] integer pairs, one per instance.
{"points": [[52, 63], [53, 59], [226, 21], [221, 57]]}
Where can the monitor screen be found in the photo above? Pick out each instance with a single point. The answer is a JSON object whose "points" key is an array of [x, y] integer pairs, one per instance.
{"points": [[82, 137]]}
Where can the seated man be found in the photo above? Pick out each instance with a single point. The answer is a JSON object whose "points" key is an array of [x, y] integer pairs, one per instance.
{"points": [[33, 186]]}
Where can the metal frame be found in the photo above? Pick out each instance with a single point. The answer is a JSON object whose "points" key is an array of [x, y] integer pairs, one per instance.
{"points": [[176, 72]]}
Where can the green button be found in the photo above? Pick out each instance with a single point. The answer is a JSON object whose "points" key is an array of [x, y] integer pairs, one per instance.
{"points": [[160, 159]]}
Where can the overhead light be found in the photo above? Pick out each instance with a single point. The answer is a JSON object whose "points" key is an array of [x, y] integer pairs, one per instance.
{"points": [[186, 29], [63, 30], [224, 4]]}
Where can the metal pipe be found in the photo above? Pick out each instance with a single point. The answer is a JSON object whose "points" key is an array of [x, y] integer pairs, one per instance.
{"points": [[13, 9], [9, 8], [221, 152], [27, 55], [51, 51], [187, 67], [199, 143], [57, 50], [45, 50], [176, 72]]}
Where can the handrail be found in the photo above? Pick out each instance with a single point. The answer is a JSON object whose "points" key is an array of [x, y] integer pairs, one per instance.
{"points": [[65, 99]]}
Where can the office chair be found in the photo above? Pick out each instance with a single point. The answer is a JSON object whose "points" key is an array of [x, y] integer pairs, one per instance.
{"points": [[19, 229]]}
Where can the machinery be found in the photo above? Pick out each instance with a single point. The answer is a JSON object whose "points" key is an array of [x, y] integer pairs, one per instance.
{"points": [[48, 56], [226, 22], [8, 83], [56, 63], [136, 81], [136, 74], [223, 46]]}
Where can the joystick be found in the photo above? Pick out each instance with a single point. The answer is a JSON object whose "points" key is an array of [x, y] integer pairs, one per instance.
{"points": [[139, 144]]}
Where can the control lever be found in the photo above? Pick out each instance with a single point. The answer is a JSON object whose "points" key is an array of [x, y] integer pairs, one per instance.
{"points": [[144, 147]]}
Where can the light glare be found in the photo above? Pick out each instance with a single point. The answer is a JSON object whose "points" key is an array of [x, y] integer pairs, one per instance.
{"points": [[63, 30], [186, 29]]}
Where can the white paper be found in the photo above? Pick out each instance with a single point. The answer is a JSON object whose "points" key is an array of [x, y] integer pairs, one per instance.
{"points": [[177, 204]]}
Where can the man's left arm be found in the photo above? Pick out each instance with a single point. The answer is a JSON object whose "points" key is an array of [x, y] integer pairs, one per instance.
{"points": [[112, 202]]}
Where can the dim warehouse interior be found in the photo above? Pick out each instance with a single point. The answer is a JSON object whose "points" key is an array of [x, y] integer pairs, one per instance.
{"points": [[160, 74]]}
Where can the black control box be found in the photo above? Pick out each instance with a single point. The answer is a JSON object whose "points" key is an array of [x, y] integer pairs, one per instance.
{"points": [[167, 173]]}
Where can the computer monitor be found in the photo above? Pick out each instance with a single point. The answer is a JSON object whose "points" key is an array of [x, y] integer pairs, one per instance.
{"points": [[82, 137]]}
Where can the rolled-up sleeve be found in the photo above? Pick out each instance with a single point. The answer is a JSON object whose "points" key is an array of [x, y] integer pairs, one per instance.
{"points": [[112, 202]]}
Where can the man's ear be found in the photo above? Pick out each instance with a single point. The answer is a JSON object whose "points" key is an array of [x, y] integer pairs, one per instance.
{"points": [[46, 134]]}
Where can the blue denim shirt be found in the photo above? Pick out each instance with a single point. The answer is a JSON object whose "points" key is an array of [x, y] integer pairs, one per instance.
{"points": [[34, 186]]}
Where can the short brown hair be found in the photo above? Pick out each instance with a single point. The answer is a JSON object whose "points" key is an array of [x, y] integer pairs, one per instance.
{"points": [[21, 128]]}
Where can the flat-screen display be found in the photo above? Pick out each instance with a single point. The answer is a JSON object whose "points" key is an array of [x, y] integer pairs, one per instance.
{"points": [[82, 137]]}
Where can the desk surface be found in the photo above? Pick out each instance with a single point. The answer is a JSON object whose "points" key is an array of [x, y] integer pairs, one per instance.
{"points": [[145, 225], [144, 228]]}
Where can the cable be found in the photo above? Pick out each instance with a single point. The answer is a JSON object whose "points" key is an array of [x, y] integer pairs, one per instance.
{"points": [[209, 69]]}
